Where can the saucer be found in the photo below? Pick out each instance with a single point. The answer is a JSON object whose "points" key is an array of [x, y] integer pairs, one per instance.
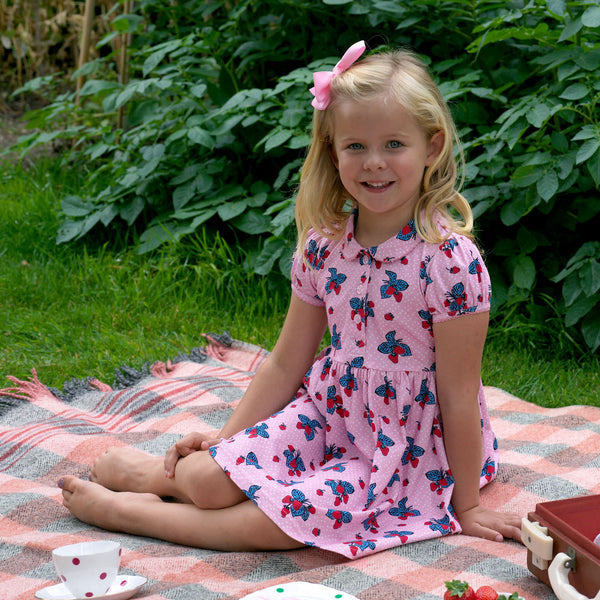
{"points": [[299, 590], [124, 587]]}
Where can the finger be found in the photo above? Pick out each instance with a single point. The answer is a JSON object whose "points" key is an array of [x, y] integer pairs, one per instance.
{"points": [[185, 449], [509, 526], [171, 458], [206, 444]]}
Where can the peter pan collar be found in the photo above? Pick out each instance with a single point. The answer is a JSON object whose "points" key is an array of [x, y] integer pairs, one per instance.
{"points": [[396, 248]]}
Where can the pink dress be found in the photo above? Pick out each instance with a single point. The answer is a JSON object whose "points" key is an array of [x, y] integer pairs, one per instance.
{"points": [[356, 462]]}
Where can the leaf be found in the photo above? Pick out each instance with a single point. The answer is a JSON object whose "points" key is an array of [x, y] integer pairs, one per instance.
{"points": [[571, 288], [183, 194], [593, 165], [278, 139], [547, 186], [571, 28], [526, 240], [202, 217], [68, 230], [590, 276], [153, 61], [75, 206], [577, 91], [538, 115], [591, 330], [513, 211], [252, 222], [565, 164], [590, 60], [558, 7], [93, 86], [581, 307], [126, 23], [526, 175], [188, 173], [292, 117], [201, 136], [586, 132], [336, 2], [271, 251], [587, 150], [125, 96], [230, 210], [132, 211], [199, 90], [591, 17], [524, 272], [559, 141], [155, 236]]}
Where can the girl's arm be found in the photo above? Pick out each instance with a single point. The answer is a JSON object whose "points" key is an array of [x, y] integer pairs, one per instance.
{"points": [[275, 383], [459, 348]]}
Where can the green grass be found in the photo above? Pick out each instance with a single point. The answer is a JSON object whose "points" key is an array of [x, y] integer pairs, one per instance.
{"points": [[85, 309]]}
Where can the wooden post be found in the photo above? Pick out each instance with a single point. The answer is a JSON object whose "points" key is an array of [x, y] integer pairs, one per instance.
{"points": [[88, 21], [123, 75]]}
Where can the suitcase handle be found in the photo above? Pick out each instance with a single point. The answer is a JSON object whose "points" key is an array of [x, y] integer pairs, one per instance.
{"points": [[558, 573]]}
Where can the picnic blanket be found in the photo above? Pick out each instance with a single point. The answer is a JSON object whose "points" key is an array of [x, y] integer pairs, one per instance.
{"points": [[546, 454]]}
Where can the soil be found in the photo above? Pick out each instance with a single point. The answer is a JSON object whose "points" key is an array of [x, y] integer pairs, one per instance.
{"points": [[12, 126]]}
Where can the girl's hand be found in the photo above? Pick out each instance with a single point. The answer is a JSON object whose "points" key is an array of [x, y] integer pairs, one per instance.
{"points": [[489, 524], [192, 442]]}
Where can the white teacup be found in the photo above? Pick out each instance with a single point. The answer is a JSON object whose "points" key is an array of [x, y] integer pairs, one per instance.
{"points": [[88, 569]]}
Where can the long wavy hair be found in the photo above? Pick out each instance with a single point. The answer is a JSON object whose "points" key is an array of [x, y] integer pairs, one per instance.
{"points": [[322, 202]]}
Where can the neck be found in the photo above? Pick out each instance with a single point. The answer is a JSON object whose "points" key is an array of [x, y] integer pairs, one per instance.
{"points": [[372, 232]]}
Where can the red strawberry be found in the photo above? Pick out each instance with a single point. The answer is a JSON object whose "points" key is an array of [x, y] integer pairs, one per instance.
{"points": [[486, 592], [459, 589]]}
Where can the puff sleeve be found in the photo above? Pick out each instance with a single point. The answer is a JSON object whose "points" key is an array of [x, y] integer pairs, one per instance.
{"points": [[306, 270], [456, 280]]}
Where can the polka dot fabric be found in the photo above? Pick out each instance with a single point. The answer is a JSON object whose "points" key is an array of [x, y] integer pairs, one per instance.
{"points": [[356, 462]]}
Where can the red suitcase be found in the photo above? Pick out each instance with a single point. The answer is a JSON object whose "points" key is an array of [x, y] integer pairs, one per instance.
{"points": [[559, 537]]}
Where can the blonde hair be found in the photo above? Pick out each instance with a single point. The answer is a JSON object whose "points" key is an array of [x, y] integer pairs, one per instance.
{"points": [[323, 204]]}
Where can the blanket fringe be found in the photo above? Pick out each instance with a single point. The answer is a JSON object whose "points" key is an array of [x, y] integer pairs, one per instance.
{"points": [[125, 376], [25, 390]]}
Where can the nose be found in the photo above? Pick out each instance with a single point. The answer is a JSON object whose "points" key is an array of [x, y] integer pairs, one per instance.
{"points": [[374, 161]]}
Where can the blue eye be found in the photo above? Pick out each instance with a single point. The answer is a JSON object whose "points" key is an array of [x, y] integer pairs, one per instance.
{"points": [[395, 144], [355, 146]]}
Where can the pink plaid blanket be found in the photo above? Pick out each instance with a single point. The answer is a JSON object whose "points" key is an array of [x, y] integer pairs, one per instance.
{"points": [[546, 454]]}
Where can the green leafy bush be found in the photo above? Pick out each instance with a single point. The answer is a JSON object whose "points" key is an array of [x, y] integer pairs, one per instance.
{"points": [[218, 115]]}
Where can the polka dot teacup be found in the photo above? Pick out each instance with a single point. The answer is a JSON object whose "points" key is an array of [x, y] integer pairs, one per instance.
{"points": [[88, 569]]}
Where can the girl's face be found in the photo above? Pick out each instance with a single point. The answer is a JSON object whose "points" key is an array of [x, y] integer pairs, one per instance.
{"points": [[381, 153]]}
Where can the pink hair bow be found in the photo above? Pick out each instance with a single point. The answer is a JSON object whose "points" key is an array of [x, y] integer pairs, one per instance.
{"points": [[323, 79]]}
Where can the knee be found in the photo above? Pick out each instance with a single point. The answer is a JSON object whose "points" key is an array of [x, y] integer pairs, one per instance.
{"points": [[206, 484]]}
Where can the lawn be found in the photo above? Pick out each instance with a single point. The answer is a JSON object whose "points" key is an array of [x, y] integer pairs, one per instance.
{"points": [[84, 309]]}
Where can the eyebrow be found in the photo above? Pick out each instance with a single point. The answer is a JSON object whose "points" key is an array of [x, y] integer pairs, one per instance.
{"points": [[391, 136]]}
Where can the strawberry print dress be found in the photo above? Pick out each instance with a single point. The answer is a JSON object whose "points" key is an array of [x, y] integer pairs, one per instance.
{"points": [[355, 463]]}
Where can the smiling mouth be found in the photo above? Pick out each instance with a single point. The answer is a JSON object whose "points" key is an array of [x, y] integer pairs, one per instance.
{"points": [[376, 185]]}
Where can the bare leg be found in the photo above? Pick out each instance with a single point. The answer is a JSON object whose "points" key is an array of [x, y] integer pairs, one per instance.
{"points": [[198, 478], [243, 527]]}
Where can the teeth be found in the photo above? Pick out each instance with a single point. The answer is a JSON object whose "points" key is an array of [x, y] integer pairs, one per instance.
{"points": [[379, 184]]}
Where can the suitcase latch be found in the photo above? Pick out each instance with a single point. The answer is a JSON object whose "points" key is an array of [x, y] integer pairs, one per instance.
{"points": [[538, 542]]}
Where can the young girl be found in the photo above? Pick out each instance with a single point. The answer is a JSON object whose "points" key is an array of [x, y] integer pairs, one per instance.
{"points": [[384, 438]]}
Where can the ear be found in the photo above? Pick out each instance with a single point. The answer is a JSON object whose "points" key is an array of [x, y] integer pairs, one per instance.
{"points": [[333, 155], [436, 145]]}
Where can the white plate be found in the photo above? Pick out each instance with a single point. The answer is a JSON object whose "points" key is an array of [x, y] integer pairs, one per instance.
{"points": [[124, 587], [299, 590]]}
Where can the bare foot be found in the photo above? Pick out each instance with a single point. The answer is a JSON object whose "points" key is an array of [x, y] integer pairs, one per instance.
{"points": [[96, 505], [130, 470]]}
